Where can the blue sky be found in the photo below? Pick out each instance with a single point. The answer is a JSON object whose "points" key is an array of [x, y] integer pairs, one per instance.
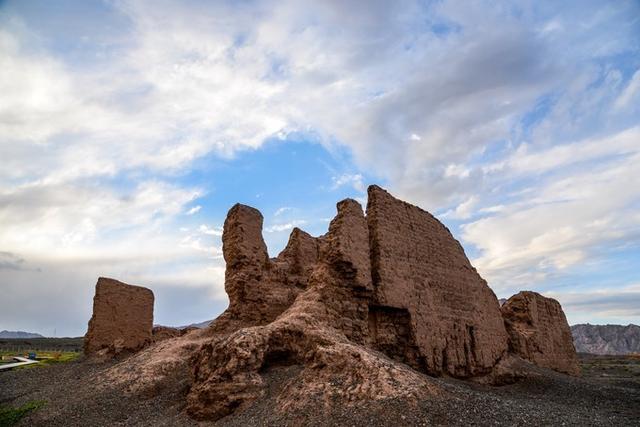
{"points": [[128, 129]]}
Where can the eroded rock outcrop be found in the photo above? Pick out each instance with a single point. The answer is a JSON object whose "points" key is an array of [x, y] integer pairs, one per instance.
{"points": [[428, 297], [260, 288], [160, 333], [320, 333], [122, 318], [539, 332], [394, 282]]}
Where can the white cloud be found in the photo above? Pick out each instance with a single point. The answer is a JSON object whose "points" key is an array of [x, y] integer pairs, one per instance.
{"points": [[194, 80], [354, 180], [630, 93], [526, 161], [65, 219], [516, 112], [276, 228], [212, 231], [282, 210], [458, 171], [607, 305], [464, 210], [193, 210], [568, 217], [195, 243], [36, 92], [492, 209]]}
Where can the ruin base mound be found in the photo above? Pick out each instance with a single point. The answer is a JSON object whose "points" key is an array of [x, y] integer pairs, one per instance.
{"points": [[372, 310]]}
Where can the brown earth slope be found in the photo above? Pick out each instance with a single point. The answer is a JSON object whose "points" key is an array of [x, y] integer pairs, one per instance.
{"points": [[75, 395]]}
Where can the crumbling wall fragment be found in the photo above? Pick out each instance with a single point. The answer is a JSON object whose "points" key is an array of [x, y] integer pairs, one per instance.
{"points": [[259, 288], [122, 318], [418, 266], [539, 332], [394, 282]]}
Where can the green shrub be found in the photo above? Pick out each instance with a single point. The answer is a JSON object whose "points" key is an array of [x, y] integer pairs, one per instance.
{"points": [[10, 416]]}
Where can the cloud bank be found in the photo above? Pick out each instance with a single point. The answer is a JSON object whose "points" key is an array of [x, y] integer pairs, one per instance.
{"points": [[517, 124]]}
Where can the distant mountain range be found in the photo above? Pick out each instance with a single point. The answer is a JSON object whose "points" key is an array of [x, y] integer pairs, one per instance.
{"points": [[200, 325], [19, 334], [606, 339]]}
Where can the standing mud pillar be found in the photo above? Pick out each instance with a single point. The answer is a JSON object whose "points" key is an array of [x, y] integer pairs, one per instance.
{"points": [[122, 319]]}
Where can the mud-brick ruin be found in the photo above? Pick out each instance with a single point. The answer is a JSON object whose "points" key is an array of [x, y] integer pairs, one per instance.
{"points": [[122, 318], [371, 310]]}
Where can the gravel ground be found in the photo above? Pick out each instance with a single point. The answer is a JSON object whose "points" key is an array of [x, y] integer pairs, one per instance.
{"points": [[74, 399]]}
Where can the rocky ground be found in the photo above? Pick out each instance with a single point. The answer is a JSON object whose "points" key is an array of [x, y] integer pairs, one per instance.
{"points": [[607, 394]]}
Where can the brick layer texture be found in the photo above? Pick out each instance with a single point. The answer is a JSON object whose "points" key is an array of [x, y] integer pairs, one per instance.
{"points": [[539, 332], [455, 323], [122, 318]]}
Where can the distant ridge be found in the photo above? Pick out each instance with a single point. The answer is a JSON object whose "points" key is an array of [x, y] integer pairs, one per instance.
{"points": [[19, 334], [606, 339], [200, 325]]}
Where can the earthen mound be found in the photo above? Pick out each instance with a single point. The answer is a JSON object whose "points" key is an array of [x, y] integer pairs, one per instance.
{"points": [[160, 333], [539, 332]]}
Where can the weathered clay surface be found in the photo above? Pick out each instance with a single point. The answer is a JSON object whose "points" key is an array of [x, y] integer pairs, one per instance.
{"points": [[342, 277], [298, 258], [122, 318], [318, 332], [160, 333], [447, 318], [162, 366], [260, 288], [246, 256], [539, 332]]}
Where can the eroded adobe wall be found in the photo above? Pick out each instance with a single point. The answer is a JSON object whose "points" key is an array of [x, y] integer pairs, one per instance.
{"points": [[418, 266], [122, 318], [539, 332], [260, 288]]}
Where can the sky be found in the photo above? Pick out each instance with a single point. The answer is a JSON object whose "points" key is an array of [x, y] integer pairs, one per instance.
{"points": [[129, 128]]}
